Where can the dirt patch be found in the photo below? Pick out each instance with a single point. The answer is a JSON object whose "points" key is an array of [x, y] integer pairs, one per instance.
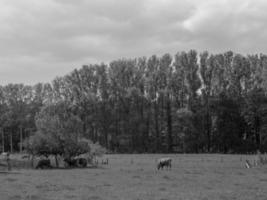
{"points": [[11, 179]]}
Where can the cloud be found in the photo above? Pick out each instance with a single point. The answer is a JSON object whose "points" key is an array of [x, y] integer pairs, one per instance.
{"points": [[237, 25], [43, 39]]}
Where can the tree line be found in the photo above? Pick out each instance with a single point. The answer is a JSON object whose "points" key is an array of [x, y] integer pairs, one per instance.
{"points": [[188, 102]]}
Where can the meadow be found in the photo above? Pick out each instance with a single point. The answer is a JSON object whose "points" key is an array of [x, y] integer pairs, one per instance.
{"points": [[135, 177]]}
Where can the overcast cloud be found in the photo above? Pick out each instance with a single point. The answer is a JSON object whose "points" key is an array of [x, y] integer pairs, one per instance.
{"points": [[42, 39]]}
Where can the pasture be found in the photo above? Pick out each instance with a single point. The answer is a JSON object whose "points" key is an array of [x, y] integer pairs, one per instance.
{"points": [[134, 177]]}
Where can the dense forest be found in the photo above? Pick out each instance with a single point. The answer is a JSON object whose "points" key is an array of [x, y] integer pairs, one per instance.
{"points": [[188, 102]]}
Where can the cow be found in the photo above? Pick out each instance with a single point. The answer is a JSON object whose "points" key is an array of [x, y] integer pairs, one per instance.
{"points": [[164, 162], [81, 162], [76, 162], [44, 164], [70, 162]]}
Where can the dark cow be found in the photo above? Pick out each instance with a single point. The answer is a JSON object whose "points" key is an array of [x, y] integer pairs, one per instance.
{"points": [[71, 162], [164, 162], [81, 162], [44, 164], [76, 162]]}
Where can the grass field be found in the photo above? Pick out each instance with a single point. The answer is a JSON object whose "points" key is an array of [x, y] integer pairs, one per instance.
{"points": [[135, 177]]}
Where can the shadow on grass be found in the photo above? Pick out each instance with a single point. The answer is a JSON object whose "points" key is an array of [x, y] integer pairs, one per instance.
{"points": [[194, 172], [11, 179], [28, 197], [162, 189], [166, 177], [94, 198], [69, 168], [15, 197], [9, 172]]}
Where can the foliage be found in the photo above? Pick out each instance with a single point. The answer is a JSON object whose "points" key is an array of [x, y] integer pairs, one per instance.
{"points": [[188, 103], [58, 132]]}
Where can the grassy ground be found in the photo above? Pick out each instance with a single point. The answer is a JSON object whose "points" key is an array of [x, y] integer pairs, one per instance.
{"points": [[135, 177]]}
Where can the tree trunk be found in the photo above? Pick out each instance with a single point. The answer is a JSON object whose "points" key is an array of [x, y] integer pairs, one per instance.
{"points": [[143, 130], [169, 125], [106, 137], [208, 131], [32, 161], [156, 127], [11, 143], [56, 159], [3, 140], [20, 132], [147, 130], [257, 132]]}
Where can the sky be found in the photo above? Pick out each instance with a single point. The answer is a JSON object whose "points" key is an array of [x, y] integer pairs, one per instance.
{"points": [[42, 39]]}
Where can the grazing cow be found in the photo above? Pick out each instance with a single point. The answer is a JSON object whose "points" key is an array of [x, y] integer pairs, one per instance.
{"points": [[44, 164], [76, 162], [71, 162], [164, 162]]}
